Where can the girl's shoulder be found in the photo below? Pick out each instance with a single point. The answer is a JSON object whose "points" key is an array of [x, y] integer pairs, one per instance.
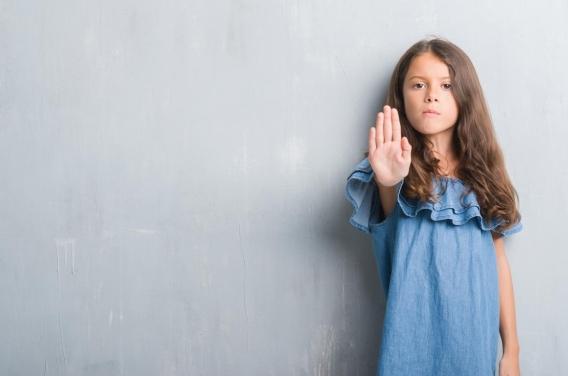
{"points": [[458, 203]]}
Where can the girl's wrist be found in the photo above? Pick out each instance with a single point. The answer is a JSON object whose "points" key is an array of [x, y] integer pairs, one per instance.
{"points": [[511, 349], [388, 185]]}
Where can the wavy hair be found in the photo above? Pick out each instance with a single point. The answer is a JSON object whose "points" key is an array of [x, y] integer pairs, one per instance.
{"points": [[481, 164]]}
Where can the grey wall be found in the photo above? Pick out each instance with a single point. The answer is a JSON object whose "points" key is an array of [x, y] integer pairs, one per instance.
{"points": [[173, 175]]}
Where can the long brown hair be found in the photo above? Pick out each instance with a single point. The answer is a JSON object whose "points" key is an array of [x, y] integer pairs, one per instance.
{"points": [[480, 160]]}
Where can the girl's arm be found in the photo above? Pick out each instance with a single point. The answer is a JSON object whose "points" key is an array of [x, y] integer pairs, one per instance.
{"points": [[507, 321], [388, 197]]}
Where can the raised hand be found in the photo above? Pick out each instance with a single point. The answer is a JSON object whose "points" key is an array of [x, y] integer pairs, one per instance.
{"points": [[389, 155]]}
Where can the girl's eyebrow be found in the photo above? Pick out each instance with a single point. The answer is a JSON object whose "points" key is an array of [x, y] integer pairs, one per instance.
{"points": [[441, 78]]}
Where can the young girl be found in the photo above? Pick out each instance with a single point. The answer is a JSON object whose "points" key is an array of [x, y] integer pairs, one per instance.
{"points": [[438, 202]]}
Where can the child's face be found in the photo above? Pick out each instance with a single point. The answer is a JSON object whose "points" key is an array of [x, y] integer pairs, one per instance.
{"points": [[432, 90]]}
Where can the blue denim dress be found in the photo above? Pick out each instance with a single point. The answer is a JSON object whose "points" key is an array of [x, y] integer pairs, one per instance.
{"points": [[437, 266]]}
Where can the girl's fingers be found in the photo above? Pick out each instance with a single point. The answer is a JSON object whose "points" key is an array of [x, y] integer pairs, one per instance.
{"points": [[406, 149], [395, 125], [388, 124], [372, 140], [379, 135]]}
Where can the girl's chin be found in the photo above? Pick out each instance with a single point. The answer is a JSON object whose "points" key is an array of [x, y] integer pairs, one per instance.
{"points": [[431, 128]]}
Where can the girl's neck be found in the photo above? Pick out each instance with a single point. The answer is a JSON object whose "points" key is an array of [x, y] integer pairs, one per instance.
{"points": [[442, 149], [441, 144], [448, 163]]}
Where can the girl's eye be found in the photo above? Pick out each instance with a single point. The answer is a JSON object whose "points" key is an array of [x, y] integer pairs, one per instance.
{"points": [[447, 86]]}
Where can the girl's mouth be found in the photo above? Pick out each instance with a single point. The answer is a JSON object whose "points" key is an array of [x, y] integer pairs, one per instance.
{"points": [[430, 114]]}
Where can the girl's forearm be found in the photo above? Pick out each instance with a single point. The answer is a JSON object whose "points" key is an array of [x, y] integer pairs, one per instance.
{"points": [[387, 197], [507, 320]]}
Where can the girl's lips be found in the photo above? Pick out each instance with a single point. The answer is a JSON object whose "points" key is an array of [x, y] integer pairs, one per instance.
{"points": [[430, 114]]}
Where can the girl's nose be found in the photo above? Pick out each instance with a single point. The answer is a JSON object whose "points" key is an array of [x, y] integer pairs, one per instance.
{"points": [[431, 95]]}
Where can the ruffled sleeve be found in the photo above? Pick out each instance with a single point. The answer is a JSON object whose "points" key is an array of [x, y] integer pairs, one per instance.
{"points": [[517, 227], [363, 194]]}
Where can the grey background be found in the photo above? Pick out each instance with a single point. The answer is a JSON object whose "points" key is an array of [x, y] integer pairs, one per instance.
{"points": [[173, 176]]}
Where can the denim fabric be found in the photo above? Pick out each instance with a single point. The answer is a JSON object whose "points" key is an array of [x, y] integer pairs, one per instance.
{"points": [[437, 266]]}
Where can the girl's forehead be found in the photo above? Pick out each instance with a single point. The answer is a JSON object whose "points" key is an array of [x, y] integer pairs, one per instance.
{"points": [[428, 66]]}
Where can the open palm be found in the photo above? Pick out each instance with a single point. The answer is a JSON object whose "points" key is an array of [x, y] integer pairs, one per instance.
{"points": [[389, 155]]}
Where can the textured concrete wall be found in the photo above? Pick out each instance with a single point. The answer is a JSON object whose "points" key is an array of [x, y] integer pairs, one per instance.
{"points": [[173, 176]]}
